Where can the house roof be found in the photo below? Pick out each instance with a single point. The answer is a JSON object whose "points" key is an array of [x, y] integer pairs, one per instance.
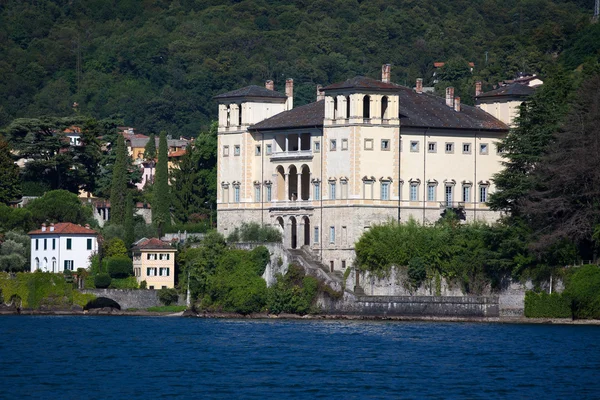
{"points": [[136, 141], [177, 153], [362, 82], [252, 91], [152, 244], [513, 90], [65, 228], [310, 115], [416, 110], [429, 111]]}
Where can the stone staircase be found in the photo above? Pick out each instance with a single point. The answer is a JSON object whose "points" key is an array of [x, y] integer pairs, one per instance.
{"points": [[313, 267]]}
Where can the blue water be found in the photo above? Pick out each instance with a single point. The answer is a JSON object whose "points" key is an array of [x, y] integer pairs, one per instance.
{"points": [[76, 357]]}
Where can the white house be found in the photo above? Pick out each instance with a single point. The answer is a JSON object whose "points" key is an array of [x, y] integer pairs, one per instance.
{"points": [[62, 246]]}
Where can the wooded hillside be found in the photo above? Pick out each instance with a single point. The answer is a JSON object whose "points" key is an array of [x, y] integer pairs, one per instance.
{"points": [[157, 63]]}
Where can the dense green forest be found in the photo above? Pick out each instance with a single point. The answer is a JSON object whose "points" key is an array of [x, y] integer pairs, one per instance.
{"points": [[156, 63]]}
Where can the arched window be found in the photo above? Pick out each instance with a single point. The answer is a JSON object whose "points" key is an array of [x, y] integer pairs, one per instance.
{"points": [[384, 107], [239, 114], [367, 107], [228, 116], [347, 106], [54, 264], [37, 263], [335, 108]]}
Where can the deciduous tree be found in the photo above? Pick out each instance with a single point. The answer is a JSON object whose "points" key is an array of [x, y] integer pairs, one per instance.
{"points": [[10, 184]]}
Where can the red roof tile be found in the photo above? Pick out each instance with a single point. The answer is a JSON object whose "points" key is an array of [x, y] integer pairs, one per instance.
{"points": [[65, 228], [177, 153], [152, 244]]}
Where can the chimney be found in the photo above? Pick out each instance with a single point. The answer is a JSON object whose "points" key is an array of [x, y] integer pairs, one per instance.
{"points": [[450, 96], [87, 226], [386, 70], [52, 227], [419, 85], [289, 92], [269, 85], [44, 227], [320, 94], [457, 104], [477, 88]]}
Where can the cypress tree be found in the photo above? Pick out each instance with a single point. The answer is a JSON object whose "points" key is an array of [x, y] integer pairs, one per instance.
{"points": [[161, 200], [119, 183], [129, 229], [150, 149]]}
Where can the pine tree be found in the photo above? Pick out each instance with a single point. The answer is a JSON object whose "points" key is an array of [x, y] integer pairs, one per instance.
{"points": [[119, 183], [10, 184], [129, 227], [524, 146], [161, 215], [150, 149]]}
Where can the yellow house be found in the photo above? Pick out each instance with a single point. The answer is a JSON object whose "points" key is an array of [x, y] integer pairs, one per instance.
{"points": [[154, 262]]}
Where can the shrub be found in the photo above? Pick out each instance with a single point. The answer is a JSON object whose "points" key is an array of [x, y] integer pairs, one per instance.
{"points": [[124, 283], [544, 305], [417, 271], [143, 284], [254, 232], [102, 281], [583, 289], [168, 296], [120, 266], [294, 292]]}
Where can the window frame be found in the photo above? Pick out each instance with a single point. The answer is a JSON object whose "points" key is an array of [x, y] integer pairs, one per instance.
{"points": [[466, 148], [225, 150], [432, 147], [413, 191], [344, 144], [449, 147], [237, 150], [332, 144], [69, 244], [414, 146], [386, 145], [368, 144], [384, 192]]}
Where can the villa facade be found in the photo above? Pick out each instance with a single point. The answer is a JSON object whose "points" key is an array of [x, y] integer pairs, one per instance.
{"points": [[366, 152]]}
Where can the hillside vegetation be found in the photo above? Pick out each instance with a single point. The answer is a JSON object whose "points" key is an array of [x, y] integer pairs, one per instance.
{"points": [[157, 63]]}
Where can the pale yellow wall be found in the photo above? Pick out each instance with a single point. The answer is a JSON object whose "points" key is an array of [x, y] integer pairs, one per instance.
{"points": [[506, 110], [141, 263]]}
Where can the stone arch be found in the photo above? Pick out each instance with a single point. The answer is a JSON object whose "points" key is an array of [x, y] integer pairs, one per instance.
{"points": [[336, 112], [305, 182], [280, 183], [306, 222], [102, 302], [294, 233], [228, 123], [367, 107], [292, 183], [54, 267], [45, 265], [37, 263], [280, 224], [384, 107]]}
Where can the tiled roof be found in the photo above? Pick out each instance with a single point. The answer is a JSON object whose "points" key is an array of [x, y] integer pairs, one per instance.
{"points": [[514, 90], [152, 244], [310, 115], [177, 153], [252, 91], [362, 82], [429, 111], [416, 110], [65, 228], [142, 141]]}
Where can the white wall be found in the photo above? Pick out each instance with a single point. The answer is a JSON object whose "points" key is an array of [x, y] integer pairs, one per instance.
{"points": [[78, 253]]}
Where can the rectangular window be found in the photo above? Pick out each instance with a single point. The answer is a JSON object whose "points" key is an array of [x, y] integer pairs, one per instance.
{"points": [[317, 146], [69, 265], [316, 234], [332, 144], [317, 191], [483, 148], [151, 271], [332, 234], [69, 243], [89, 244], [368, 144], [483, 193], [164, 272], [466, 148], [257, 150], [236, 150], [257, 193], [269, 192], [430, 192], [225, 151], [449, 195], [344, 189], [45, 244], [332, 191], [53, 244], [343, 264], [236, 194], [431, 147], [269, 149], [414, 192], [449, 148], [385, 190], [385, 144], [344, 144], [414, 146], [466, 197], [37, 244]]}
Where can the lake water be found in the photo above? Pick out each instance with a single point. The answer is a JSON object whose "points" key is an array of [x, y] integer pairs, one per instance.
{"points": [[76, 357]]}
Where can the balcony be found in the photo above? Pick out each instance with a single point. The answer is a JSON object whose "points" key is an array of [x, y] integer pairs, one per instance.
{"points": [[298, 155], [458, 205]]}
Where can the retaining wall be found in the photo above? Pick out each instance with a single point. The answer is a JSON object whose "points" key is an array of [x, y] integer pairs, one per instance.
{"points": [[129, 298]]}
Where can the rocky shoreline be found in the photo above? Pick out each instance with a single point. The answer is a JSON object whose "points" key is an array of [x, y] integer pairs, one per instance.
{"points": [[107, 311]]}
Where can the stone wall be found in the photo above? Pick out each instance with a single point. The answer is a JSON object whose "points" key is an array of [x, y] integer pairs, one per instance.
{"points": [[130, 298], [433, 306], [279, 259]]}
